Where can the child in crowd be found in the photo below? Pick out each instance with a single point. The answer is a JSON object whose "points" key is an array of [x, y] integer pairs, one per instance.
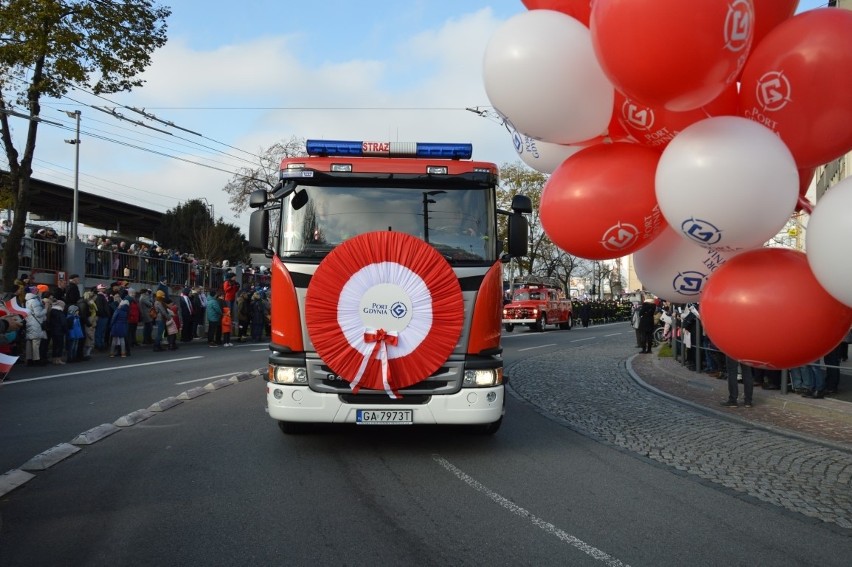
{"points": [[226, 326], [75, 334]]}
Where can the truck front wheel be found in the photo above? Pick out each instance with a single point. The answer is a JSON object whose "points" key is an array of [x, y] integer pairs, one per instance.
{"points": [[509, 327], [489, 428], [293, 427], [540, 324]]}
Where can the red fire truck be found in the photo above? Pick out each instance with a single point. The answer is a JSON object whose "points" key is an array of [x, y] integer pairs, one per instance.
{"points": [[386, 285], [538, 302]]}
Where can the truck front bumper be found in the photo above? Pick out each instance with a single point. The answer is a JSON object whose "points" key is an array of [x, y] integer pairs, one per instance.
{"points": [[301, 404]]}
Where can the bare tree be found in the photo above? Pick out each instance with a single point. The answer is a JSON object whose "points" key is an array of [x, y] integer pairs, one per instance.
{"points": [[545, 258], [265, 175]]}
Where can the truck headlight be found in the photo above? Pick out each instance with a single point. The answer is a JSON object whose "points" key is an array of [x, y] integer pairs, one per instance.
{"points": [[288, 374], [483, 378]]}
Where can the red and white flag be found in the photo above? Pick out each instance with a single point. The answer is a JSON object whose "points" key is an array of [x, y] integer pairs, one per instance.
{"points": [[13, 308], [6, 364]]}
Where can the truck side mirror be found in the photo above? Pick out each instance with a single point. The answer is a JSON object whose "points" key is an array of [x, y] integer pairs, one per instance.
{"points": [[257, 199], [521, 204], [259, 231], [519, 229]]}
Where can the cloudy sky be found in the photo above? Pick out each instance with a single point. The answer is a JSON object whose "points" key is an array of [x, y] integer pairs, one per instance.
{"points": [[236, 77]]}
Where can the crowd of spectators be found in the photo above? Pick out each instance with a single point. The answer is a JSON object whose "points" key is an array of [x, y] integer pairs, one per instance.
{"points": [[66, 323], [696, 349]]}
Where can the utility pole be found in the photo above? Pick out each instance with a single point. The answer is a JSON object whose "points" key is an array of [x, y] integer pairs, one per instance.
{"points": [[76, 142]]}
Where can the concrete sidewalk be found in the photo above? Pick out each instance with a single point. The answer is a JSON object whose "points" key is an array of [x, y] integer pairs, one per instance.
{"points": [[827, 420]]}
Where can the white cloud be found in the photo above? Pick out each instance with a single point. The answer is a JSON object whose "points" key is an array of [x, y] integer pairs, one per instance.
{"points": [[416, 91]]}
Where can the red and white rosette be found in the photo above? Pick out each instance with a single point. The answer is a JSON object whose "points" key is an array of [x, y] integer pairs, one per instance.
{"points": [[384, 310]]}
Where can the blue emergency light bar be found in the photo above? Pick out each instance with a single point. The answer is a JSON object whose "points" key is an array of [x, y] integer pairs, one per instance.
{"points": [[388, 149]]}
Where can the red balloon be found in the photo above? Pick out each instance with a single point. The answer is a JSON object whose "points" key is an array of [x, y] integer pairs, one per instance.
{"points": [[655, 127], [797, 82], [670, 53], [580, 10], [770, 13], [749, 302], [600, 202]]}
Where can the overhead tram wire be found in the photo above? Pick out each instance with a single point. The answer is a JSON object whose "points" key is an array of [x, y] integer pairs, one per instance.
{"points": [[251, 161]]}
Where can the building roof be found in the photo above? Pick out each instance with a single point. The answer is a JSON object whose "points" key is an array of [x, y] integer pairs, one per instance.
{"points": [[53, 202]]}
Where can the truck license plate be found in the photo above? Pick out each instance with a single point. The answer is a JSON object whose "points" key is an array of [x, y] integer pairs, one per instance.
{"points": [[383, 417]]}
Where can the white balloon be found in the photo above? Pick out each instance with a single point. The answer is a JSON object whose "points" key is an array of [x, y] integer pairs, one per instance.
{"points": [[541, 72], [828, 241], [675, 269], [543, 157], [728, 183]]}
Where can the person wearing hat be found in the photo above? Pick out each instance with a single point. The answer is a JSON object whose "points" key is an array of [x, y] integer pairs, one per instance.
{"points": [[646, 324], [72, 291], [164, 287], [163, 315]]}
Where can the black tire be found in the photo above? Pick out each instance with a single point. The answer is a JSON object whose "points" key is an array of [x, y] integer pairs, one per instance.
{"points": [[567, 325], [509, 327], [489, 428], [293, 427], [658, 335], [541, 323]]}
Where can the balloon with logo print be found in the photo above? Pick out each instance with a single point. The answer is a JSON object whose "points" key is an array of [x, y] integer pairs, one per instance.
{"points": [[599, 204], [656, 127], [829, 241], [670, 53], [797, 82], [675, 269], [747, 305], [543, 157], [540, 72], [728, 183], [578, 9]]}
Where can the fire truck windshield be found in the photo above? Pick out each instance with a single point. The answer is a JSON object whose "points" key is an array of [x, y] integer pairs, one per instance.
{"points": [[459, 223]]}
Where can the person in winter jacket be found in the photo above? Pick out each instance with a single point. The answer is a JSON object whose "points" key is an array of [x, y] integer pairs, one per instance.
{"points": [[257, 317], [118, 329], [163, 315], [146, 302], [187, 315], [75, 334], [134, 315], [226, 325], [57, 328], [214, 318], [243, 315], [36, 315], [104, 314], [89, 321]]}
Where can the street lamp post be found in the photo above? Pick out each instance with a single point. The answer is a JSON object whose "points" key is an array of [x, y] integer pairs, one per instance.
{"points": [[76, 142], [426, 202]]}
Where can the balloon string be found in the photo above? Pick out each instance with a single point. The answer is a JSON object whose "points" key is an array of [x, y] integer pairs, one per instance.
{"points": [[805, 205]]}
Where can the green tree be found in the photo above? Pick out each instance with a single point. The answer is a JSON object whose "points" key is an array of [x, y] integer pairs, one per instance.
{"points": [[50, 46], [262, 176], [190, 227]]}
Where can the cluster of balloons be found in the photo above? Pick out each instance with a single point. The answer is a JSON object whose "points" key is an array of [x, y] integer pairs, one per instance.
{"points": [[686, 134]]}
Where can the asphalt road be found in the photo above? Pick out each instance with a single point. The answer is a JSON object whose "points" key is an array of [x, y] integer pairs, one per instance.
{"points": [[214, 482]]}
